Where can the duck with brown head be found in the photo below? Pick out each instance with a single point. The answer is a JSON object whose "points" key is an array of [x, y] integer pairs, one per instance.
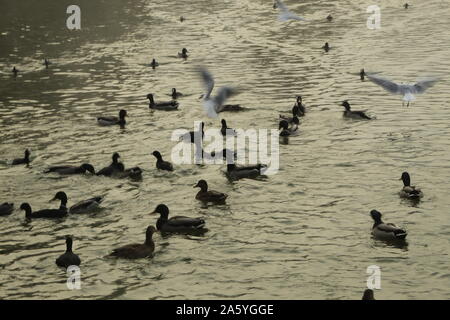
{"points": [[137, 250], [408, 191], [178, 224], [206, 195], [349, 113], [386, 231], [160, 163]]}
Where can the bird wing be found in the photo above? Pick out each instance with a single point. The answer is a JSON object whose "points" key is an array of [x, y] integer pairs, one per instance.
{"points": [[208, 82], [282, 6], [222, 95], [423, 85], [390, 86]]}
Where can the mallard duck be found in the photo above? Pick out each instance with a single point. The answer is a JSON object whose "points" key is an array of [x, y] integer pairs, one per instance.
{"points": [[80, 207], [175, 94], [295, 113], [24, 160], [111, 121], [386, 231], [160, 163], [112, 168], [137, 250], [166, 105], [206, 195], [409, 191], [348, 113], [45, 213], [225, 131], [183, 53], [236, 173], [330, 17], [6, 208], [65, 170], [68, 258], [177, 224], [368, 295], [286, 130]]}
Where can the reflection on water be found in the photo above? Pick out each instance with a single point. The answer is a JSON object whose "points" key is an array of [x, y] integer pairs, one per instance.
{"points": [[303, 233]]}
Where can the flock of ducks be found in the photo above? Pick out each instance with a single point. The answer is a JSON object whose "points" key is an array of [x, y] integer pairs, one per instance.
{"points": [[213, 105]]}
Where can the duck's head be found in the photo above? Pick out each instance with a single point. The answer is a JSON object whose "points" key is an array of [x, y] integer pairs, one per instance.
{"points": [[231, 167], [163, 210], [27, 208], [299, 99], [88, 167], [368, 295], [150, 96], [174, 91], [406, 179], [60, 195], [283, 125], [184, 51], [27, 153], [202, 184], [157, 155], [69, 242], [149, 233], [122, 114], [115, 157], [346, 105], [223, 122], [376, 216]]}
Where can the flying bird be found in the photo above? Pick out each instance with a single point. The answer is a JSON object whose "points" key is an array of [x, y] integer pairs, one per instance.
{"points": [[406, 90], [285, 14]]}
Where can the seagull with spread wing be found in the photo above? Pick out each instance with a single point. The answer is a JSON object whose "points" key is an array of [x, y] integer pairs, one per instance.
{"points": [[285, 14], [214, 105], [406, 90]]}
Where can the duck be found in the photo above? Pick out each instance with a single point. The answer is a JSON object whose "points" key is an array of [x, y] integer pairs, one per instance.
{"points": [[46, 63], [84, 206], [330, 17], [183, 53], [154, 64], [68, 258], [6, 208], [191, 135], [206, 195], [226, 131], [166, 105], [386, 231], [362, 74], [175, 94], [178, 224], [348, 113], [295, 113], [137, 250], [134, 173], [160, 163], [66, 170], [182, 19], [231, 108], [15, 71], [251, 172], [368, 295], [45, 213], [112, 120], [112, 168], [408, 191], [286, 130], [326, 47], [24, 160], [406, 5]]}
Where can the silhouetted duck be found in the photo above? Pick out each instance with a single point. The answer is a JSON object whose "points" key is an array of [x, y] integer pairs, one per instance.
{"points": [[84, 206], [183, 53], [160, 163], [182, 19], [112, 168], [386, 231], [45, 213], [154, 64], [68, 258], [284, 125], [295, 113], [326, 47], [368, 295], [206, 195], [112, 120], [15, 71], [301, 106], [166, 105], [226, 131], [6, 209], [406, 5], [409, 191], [64, 170], [25, 160], [177, 224], [330, 17], [175, 94], [46, 63], [362, 74], [348, 113], [137, 250], [231, 108], [236, 173], [134, 173]]}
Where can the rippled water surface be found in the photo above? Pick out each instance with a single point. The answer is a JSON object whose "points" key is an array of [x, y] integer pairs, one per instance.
{"points": [[303, 233]]}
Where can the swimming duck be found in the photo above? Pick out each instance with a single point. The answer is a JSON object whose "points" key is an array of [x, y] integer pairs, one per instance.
{"points": [[406, 5], [137, 250], [177, 224], [6, 208], [15, 71], [46, 63], [182, 19], [68, 258], [80, 207], [175, 94], [330, 17], [112, 168], [301, 107], [386, 231], [112, 120], [206, 195], [227, 131], [236, 173], [295, 112], [409, 191], [348, 113], [368, 295], [166, 105], [160, 163], [362, 73], [231, 108], [191, 135], [183, 53], [286, 130], [45, 213], [25, 160], [154, 64], [71, 169], [326, 47], [134, 173]]}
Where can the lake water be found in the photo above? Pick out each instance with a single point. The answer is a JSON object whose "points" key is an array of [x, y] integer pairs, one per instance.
{"points": [[303, 233]]}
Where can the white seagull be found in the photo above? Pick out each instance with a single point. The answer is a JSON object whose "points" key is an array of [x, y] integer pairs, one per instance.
{"points": [[285, 14], [406, 90], [214, 105]]}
